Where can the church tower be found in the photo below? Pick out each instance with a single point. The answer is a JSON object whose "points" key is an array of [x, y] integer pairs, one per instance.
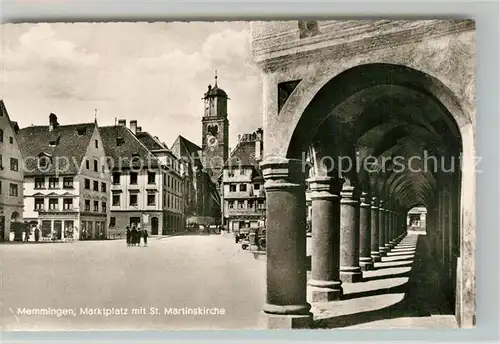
{"points": [[215, 131]]}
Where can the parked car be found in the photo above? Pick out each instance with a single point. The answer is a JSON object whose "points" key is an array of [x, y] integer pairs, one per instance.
{"points": [[256, 238], [242, 234]]}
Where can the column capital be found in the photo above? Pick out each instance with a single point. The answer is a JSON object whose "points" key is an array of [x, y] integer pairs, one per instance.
{"points": [[365, 199], [282, 173], [324, 187], [381, 204], [375, 202]]}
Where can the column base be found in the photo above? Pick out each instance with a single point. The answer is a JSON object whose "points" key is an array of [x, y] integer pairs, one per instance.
{"points": [[376, 256], [351, 275], [383, 251], [325, 294], [324, 291], [287, 322]]}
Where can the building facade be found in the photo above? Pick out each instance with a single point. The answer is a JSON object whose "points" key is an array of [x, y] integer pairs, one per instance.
{"points": [[243, 195], [172, 181], [66, 180], [11, 175]]}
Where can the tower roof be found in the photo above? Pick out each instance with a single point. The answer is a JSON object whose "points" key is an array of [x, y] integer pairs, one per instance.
{"points": [[215, 91]]}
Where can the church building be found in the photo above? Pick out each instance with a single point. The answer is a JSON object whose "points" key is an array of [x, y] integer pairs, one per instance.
{"points": [[205, 164]]}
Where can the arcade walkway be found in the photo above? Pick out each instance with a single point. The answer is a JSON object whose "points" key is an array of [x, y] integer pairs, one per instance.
{"points": [[402, 292]]}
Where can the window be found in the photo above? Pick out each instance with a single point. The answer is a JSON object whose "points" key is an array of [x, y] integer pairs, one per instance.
{"points": [[231, 204], [151, 177], [261, 205], [1, 134], [133, 178], [87, 184], [96, 185], [104, 206], [232, 188], [116, 200], [87, 164], [250, 205], [39, 183], [1, 162], [168, 184], [116, 178], [241, 204], [39, 204], [43, 162], [164, 178], [0, 187], [256, 186], [96, 143], [151, 199], [112, 221], [241, 171], [68, 182], [11, 140], [119, 141], [133, 199], [53, 183], [96, 206], [53, 203], [14, 164], [87, 205], [243, 187], [96, 166], [13, 190], [67, 204], [103, 187]]}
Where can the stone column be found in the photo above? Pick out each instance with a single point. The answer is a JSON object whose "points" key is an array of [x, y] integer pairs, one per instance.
{"points": [[350, 270], [286, 304], [381, 229], [375, 253], [325, 199], [365, 259]]}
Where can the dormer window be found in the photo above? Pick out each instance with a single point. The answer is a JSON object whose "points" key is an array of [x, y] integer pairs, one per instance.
{"points": [[81, 131], [44, 161], [119, 141]]}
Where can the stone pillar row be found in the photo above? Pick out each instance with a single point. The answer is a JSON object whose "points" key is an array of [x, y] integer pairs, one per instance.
{"points": [[350, 231]]}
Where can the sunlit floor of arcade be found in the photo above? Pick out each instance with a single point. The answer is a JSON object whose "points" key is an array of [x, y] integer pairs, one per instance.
{"points": [[202, 271]]}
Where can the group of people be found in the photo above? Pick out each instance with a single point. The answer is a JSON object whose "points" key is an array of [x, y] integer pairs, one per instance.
{"points": [[134, 236]]}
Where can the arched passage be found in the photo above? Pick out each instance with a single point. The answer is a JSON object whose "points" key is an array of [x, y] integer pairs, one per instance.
{"points": [[397, 137]]}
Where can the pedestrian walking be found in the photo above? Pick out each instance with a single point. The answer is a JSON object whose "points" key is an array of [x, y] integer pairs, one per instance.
{"points": [[134, 236], [145, 236], [37, 234], [128, 235]]}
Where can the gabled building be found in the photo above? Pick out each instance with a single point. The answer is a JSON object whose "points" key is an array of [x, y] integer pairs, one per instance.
{"points": [[11, 175], [143, 185], [243, 195], [66, 180], [173, 182]]}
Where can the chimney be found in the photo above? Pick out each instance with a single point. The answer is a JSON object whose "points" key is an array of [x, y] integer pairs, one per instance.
{"points": [[52, 122], [133, 126], [122, 122], [258, 150], [139, 129]]}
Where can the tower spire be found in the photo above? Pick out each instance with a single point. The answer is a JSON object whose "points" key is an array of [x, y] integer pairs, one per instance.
{"points": [[95, 115], [215, 78]]}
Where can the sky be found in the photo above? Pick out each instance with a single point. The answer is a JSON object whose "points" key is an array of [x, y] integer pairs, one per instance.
{"points": [[155, 73]]}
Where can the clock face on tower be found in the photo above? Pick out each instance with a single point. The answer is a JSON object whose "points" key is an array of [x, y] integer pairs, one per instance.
{"points": [[212, 142]]}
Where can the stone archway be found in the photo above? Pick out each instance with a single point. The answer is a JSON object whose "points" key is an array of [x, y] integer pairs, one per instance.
{"points": [[373, 105]]}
